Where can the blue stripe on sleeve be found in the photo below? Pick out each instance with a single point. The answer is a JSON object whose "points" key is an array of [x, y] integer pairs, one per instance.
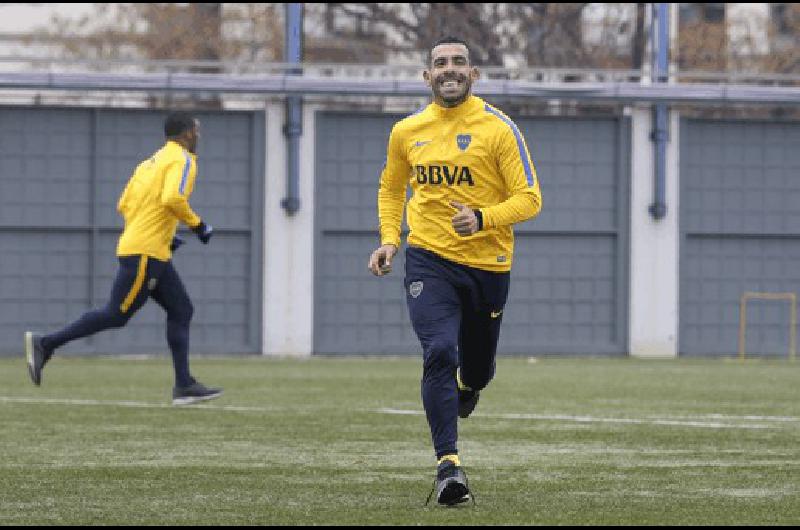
{"points": [[520, 144], [185, 174]]}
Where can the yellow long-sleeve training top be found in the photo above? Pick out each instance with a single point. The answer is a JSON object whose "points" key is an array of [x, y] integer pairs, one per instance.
{"points": [[155, 199], [472, 154]]}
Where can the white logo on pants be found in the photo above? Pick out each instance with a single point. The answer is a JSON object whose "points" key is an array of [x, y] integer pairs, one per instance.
{"points": [[415, 289]]}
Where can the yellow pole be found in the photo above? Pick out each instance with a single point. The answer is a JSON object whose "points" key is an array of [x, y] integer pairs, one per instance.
{"points": [[791, 297]]}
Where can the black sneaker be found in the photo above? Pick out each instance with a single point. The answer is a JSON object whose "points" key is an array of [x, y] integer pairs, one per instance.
{"points": [[467, 400], [451, 486], [186, 395], [37, 356]]}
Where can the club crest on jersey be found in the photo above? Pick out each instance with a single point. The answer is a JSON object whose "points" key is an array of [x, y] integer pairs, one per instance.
{"points": [[415, 289], [463, 141]]}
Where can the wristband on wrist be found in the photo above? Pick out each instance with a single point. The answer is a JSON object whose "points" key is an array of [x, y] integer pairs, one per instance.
{"points": [[479, 215]]}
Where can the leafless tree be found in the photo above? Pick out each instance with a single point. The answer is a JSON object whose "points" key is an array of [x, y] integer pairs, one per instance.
{"points": [[762, 44], [550, 34], [193, 31], [576, 35], [167, 31], [366, 32]]}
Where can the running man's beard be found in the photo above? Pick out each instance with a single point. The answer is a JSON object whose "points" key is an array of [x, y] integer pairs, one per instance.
{"points": [[452, 100]]}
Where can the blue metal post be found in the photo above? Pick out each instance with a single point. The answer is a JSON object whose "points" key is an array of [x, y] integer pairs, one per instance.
{"points": [[660, 135], [293, 129]]}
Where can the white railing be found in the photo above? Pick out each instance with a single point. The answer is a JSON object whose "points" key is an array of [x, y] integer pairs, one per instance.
{"points": [[223, 83], [383, 72]]}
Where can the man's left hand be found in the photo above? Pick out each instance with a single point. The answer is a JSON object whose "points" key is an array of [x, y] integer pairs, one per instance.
{"points": [[176, 243], [465, 222], [204, 232]]}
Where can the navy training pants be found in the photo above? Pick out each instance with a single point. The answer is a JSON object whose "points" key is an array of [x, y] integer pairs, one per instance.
{"points": [[139, 278], [456, 313]]}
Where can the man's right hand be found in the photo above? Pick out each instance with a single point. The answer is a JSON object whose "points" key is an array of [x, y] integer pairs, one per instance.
{"points": [[380, 262]]}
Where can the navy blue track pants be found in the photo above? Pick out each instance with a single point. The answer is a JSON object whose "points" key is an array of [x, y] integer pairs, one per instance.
{"points": [[139, 278], [456, 312]]}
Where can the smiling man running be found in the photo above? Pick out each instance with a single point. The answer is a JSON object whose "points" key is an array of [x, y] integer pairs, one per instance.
{"points": [[472, 179]]}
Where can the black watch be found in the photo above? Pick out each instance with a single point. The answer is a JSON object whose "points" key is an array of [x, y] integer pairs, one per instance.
{"points": [[479, 215]]}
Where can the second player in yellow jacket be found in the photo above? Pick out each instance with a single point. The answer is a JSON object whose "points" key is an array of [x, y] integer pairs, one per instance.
{"points": [[154, 201]]}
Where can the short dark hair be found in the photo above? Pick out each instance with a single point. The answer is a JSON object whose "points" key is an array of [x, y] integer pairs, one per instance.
{"points": [[178, 123], [447, 40]]}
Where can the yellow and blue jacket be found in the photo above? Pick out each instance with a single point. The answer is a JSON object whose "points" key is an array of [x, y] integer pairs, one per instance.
{"points": [[155, 199], [472, 154]]}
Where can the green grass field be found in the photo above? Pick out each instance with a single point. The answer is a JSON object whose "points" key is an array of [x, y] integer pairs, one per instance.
{"points": [[344, 441]]}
